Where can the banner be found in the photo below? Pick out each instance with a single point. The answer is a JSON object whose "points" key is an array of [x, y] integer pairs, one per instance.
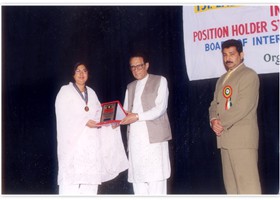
{"points": [[206, 27]]}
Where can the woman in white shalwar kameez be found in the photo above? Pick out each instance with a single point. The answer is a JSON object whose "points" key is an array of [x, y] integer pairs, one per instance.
{"points": [[88, 154]]}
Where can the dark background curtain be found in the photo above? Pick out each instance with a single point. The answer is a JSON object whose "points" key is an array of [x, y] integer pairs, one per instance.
{"points": [[40, 44]]}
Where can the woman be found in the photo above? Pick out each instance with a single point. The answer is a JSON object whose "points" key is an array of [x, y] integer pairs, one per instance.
{"points": [[87, 154]]}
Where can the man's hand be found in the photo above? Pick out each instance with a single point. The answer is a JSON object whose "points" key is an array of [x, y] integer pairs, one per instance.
{"points": [[217, 126], [130, 118]]}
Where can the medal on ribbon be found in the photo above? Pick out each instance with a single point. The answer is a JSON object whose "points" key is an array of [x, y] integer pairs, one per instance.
{"points": [[227, 92], [85, 98]]}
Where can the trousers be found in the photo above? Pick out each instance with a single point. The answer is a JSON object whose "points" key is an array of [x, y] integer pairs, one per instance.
{"points": [[240, 171], [78, 189], [150, 188]]}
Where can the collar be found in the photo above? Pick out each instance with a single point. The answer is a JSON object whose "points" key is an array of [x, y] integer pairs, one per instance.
{"points": [[144, 80], [235, 68]]}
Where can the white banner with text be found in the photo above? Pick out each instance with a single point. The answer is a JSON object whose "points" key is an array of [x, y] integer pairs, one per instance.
{"points": [[206, 27]]}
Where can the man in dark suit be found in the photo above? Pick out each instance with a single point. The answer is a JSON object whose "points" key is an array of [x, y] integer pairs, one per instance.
{"points": [[233, 118]]}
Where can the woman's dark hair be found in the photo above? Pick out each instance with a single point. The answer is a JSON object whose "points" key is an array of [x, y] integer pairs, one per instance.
{"points": [[76, 66], [233, 43]]}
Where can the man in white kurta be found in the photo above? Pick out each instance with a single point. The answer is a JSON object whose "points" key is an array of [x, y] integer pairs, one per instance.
{"points": [[149, 164]]}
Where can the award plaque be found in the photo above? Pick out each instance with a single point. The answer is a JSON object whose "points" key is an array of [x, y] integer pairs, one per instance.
{"points": [[111, 112]]}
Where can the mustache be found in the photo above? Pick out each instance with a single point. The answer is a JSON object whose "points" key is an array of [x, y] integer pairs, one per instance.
{"points": [[227, 62]]}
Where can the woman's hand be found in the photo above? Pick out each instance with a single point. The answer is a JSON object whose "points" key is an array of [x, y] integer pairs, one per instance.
{"points": [[115, 125], [92, 124]]}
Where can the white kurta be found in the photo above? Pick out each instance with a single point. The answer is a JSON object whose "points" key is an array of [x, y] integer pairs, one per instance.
{"points": [[147, 162], [85, 155]]}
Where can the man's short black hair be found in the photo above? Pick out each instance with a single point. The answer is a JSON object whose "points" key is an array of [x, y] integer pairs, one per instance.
{"points": [[139, 54], [231, 43]]}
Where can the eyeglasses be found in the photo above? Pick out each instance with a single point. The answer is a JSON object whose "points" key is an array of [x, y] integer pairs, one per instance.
{"points": [[138, 67]]}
